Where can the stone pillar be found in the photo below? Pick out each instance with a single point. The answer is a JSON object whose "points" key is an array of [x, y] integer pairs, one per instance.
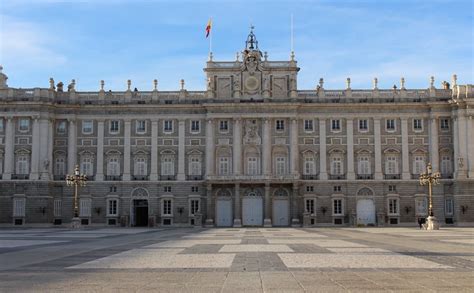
{"points": [[9, 148], [71, 147], [470, 145], [99, 175], [294, 147], [434, 152], [181, 150], [154, 151], [237, 142], [267, 221], [295, 221], [237, 209], [323, 175], [267, 147], [461, 160], [35, 148], [210, 147], [377, 150], [350, 149], [209, 207], [50, 148], [405, 153], [43, 148], [126, 150]]}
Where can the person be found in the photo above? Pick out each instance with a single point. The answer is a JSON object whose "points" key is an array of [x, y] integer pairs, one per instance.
{"points": [[420, 222]]}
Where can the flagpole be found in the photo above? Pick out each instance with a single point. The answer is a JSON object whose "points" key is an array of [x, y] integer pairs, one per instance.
{"points": [[291, 42], [210, 38]]}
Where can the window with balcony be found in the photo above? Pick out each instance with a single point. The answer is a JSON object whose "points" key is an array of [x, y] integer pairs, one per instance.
{"points": [[419, 165], [195, 165], [336, 166], [113, 166], [167, 165], [391, 165], [23, 164], [363, 166], [86, 166], [280, 166], [224, 165], [446, 166], [60, 166], [252, 166], [140, 168], [309, 167]]}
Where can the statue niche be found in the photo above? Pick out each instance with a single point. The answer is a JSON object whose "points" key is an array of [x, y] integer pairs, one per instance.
{"points": [[251, 133]]}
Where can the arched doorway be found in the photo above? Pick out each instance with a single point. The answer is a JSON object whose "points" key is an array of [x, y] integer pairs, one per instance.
{"points": [[252, 209], [365, 207], [139, 208], [281, 208], [224, 217]]}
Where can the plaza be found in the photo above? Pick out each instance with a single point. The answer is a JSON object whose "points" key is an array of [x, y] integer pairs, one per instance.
{"points": [[236, 260]]}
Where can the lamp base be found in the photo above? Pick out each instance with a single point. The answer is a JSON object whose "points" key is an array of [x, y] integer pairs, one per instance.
{"points": [[431, 223], [76, 223]]}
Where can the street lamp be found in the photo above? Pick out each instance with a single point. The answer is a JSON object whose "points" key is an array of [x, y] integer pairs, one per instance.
{"points": [[76, 180], [429, 178]]}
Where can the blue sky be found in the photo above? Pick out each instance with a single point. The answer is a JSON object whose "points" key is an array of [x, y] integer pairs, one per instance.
{"points": [[116, 40]]}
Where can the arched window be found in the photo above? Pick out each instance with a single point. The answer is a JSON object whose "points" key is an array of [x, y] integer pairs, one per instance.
{"points": [[224, 156], [23, 164], [391, 164], [195, 165], [167, 165], [140, 167], [60, 165], [336, 166], [113, 166], [309, 165], [87, 165], [419, 164], [446, 165], [364, 165]]}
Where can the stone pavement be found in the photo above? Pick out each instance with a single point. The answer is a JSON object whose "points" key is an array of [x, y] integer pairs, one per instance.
{"points": [[237, 260]]}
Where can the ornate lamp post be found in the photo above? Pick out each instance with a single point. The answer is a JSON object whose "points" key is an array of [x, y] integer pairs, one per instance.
{"points": [[429, 178], [76, 180]]}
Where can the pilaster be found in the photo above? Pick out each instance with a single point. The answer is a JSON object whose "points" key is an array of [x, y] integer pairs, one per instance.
{"points": [[237, 209], [210, 147], [181, 150], [323, 175], [267, 222], [209, 207], [34, 174], [71, 147], [99, 176], [154, 151], [377, 150], [470, 146], [461, 159], [237, 142], [9, 148], [267, 148], [434, 151], [405, 152], [295, 221], [44, 148], [294, 147], [126, 150], [350, 149]]}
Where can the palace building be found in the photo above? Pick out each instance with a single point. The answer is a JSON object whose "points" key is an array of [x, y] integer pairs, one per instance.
{"points": [[251, 150]]}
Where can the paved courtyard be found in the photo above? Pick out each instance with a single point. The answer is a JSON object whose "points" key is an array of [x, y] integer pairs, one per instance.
{"points": [[237, 260]]}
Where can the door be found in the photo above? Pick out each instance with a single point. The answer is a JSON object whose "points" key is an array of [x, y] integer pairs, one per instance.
{"points": [[224, 213], [252, 211], [141, 212], [280, 212], [365, 212]]}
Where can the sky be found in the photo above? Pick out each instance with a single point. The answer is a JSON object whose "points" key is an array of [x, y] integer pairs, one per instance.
{"points": [[117, 40]]}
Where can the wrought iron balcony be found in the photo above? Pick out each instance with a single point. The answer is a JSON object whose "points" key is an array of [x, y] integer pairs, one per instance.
{"points": [[391, 176], [140, 177], [310, 177], [365, 176], [337, 177], [194, 177], [20, 176], [167, 177], [113, 177]]}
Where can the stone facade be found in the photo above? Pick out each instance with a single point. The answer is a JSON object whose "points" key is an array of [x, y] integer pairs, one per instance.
{"points": [[251, 150]]}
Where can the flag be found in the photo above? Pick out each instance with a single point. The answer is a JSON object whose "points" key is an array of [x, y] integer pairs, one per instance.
{"points": [[208, 27]]}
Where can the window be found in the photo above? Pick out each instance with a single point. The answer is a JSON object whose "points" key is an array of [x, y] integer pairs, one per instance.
{"points": [[19, 207], [337, 188], [194, 189], [421, 206], [194, 206], [280, 165], [87, 127], [308, 125], [392, 188], [417, 124], [61, 127], [1, 125], [393, 206], [113, 167], [114, 126], [168, 126], [446, 168], [140, 166], [167, 166], [57, 208], [337, 207], [390, 124], [280, 125], [336, 166], [85, 207], [195, 165], [419, 165], [391, 165], [224, 166], [86, 166], [448, 206], [309, 188], [444, 123], [309, 206], [113, 189], [112, 207], [309, 166], [140, 126], [364, 165], [223, 126], [166, 208], [22, 165], [60, 166], [335, 125], [167, 188], [24, 124], [195, 126], [363, 125], [252, 166]]}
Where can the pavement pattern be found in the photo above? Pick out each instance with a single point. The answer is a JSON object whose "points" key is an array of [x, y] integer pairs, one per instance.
{"points": [[237, 260]]}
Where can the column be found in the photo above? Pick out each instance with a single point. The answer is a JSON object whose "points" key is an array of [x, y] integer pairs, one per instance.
{"points": [[434, 151], [209, 207], [181, 150], [294, 147], [126, 150], [237, 209], [377, 150], [34, 174], [405, 154], [210, 147], [71, 147], [99, 176], [154, 151], [470, 145], [462, 159], [295, 221], [323, 175], [50, 148], [267, 148], [350, 149], [43, 148], [237, 142], [9, 148], [455, 145], [267, 220]]}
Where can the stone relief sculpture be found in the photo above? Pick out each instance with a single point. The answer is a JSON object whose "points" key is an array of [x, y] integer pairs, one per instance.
{"points": [[251, 133]]}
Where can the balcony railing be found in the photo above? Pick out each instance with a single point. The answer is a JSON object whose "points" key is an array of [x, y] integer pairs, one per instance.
{"points": [[391, 176], [113, 177], [194, 177], [365, 176], [337, 177], [140, 177], [59, 177], [167, 177], [310, 177], [20, 176]]}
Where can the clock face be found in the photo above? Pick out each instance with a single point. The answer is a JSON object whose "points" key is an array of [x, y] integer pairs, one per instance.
{"points": [[251, 83]]}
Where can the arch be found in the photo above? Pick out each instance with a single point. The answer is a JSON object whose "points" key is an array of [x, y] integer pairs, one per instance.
{"points": [[308, 153], [140, 153], [223, 151], [280, 192], [283, 150], [251, 150], [391, 150], [59, 153], [194, 152], [252, 192], [419, 151], [22, 151], [364, 151], [113, 152], [167, 152], [365, 191], [139, 192], [336, 150], [223, 192], [445, 151]]}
